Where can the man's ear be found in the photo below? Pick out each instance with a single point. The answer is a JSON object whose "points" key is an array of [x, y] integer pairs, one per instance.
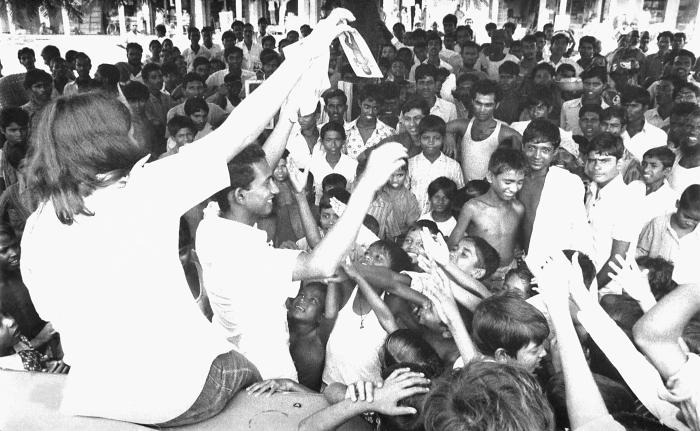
{"points": [[667, 172], [489, 177], [236, 196], [500, 355]]}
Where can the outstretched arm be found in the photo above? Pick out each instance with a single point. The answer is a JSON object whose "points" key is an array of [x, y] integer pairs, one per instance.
{"points": [[384, 315], [465, 217]]}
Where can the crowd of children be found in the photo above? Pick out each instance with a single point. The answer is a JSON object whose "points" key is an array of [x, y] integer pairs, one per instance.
{"points": [[494, 236]]}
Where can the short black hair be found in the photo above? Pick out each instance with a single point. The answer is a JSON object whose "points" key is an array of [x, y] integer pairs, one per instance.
{"points": [[486, 87], [196, 104], [607, 144], [334, 93], [507, 159], [541, 130], [241, 173], [135, 91], [432, 123], [35, 76], [179, 122], [663, 154], [13, 114], [333, 126], [415, 103]]}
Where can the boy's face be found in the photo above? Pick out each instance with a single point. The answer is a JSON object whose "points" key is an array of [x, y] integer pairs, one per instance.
{"points": [[590, 124], [687, 218], [507, 81], [170, 79], [540, 110], [413, 245], [335, 108], [248, 34], [653, 171], [9, 334], [308, 305], [82, 67], [635, 111], [307, 121], [558, 46], [593, 87], [375, 256], [601, 168], [42, 91], [530, 356], [440, 203], [332, 142], [327, 219], [15, 134], [281, 173], [199, 118], [586, 50], [270, 67], [469, 56], [411, 119], [202, 70], [539, 154], [507, 184], [27, 60], [9, 253], [425, 87], [154, 80], [465, 257], [133, 56], [612, 125], [183, 137], [431, 143], [484, 105], [421, 52], [529, 50], [369, 109], [540, 42], [398, 69], [194, 89], [542, 77], [663, 43], [234, 60], [206, 37], [397, 179]]}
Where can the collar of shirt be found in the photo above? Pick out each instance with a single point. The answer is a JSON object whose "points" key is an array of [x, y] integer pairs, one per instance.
{"points": [[248, 235], [616, 185]]}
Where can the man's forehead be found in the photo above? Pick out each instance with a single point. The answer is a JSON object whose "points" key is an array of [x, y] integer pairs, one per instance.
{"points": [[594, 155]]}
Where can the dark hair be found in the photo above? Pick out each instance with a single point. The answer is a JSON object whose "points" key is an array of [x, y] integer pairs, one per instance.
{"points": [[543, 66], [540, 34], [528, 38], [565, 67], [415, 103], [168, 68], [634, 94], [13, 115], [370, 91], [191, 30], [614, 112], [407, 346], [509, 68], [397, 256], [486, 87], [133, 45], [333, 126], [334, 93], [341, 194], [36, 76], [334, 181], [149, 68], [110, 73], [667, 34], [426, 70], [196, 104], [507, 159], [663, 154], [76, 139], [507, 322], [25, 50], [240, 172], [135, 91], [191, 77], [595, 72], [490, 26], [539, 94], [587, 39], [685, 86], [623, 310], [78, 56], [432, 123], [690, 198], [684, 53], [268, 38], [179, 122], [510, 24], [237, 23], [540, 130], [487, 256], [590, 107], [50, 51], [232, 50], [268, 55], [467, 77], [660, 275], [154, 42], [199, 61], [487, 396], [607, 144], [444, 184]]}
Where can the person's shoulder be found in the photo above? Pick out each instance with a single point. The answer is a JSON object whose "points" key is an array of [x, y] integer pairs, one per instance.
{"points": [[570, 103]]}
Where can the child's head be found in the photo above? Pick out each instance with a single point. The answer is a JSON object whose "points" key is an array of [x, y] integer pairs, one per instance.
{"points": [[657, 164], [541, 140], [441, 191], [506, 174], [198, 111], [333, 137], [193, 85], [566, 71], [539, 102], [171, 75], [589, 120], [26, 57], [594, 80], [13, 125], [336, 104], [407, 346], [387, 254], [509, 329], [412, 243], [508, 73], [82, 65], [136, 94], [492, 395], [334, 181], [270, 61], [586, 47], [280, 173], [602, 162], [39, 83], [182, 129], [201, 67], [328, 217], [155, 47], [543, 74], [412, 112], [636, 102], [9, 249], [398, 178], [268, 42], [687, 215], [370, 101], [660, 275], [613, 120], [431, 131], [309, 304], [475, 256], [520, 280]]}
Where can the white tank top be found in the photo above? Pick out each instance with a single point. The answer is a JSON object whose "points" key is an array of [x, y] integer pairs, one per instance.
{"points": [[352, 352], [476, 154], [682, 177]]}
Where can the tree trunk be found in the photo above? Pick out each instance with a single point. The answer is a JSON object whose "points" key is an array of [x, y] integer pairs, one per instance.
{"points": [[122, 20], [367, 22]]}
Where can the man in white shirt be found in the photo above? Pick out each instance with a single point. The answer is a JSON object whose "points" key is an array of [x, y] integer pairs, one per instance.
{"points": [[426, 87], [643, 136], [251, 48], [560, 44], [234, 59], [594, 81], [434, 44], [195, 49], [215, 50], [247, 299]]}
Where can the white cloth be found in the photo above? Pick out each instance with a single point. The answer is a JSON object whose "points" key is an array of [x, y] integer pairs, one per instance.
{"points": [[476, 154], [216, 79], [319, 168], [444, 109], [248, 303], [660, 202], [567, 138], [127, 319], [446, 227], [352, 352], [421, 172], [251, 57], [649, 137], [611, 216], [490, 68], [682, 177], [560, 219], [299, 149]]}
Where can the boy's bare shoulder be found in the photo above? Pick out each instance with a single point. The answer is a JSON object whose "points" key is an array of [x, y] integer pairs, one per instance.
{"points": [[518, 206]]}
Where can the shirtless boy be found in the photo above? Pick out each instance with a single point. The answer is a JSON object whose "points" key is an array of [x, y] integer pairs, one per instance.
{"points": [[481, 135], [496, 215]]}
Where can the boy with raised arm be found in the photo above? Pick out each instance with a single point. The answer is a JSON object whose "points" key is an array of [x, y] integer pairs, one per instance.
{"points": [[497, 215]]}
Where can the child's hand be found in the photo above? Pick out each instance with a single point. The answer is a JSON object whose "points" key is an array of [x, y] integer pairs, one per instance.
{"points": [[271, 386], [440, 293], [326, 30], [297, 178], [383, 162], [631, 279], [435, 247], [362, 391], [338, 207], [351, 271], [400, 384], [553, 282]]}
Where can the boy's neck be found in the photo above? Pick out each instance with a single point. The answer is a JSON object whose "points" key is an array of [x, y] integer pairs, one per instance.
{"points": [[540, 173], [635, 127], [440, 216], [333, 159], [240, 214], [493, 197], [651, 188], [301, 329], [432, 157]]}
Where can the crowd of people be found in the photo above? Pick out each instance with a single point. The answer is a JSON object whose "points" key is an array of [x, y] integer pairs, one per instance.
{"points": [[493, 236]]}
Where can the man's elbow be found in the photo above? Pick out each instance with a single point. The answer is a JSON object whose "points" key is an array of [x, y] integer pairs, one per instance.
{"points": [[643, 338]]}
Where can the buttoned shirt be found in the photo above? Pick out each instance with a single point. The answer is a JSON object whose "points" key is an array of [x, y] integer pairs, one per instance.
{"points": [[659, 239], [190, 55], [251, 57], [354, 144], [421, 172], [569, 115], [652, 117], [649, 137]]}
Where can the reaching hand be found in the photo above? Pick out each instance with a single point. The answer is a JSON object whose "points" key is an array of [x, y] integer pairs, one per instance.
{"points": [[631, 279], [363, 391], [400, 384], [271, 386], [435, 247], [351, 271], [57, 367], [553, 282], [338, 207], [440, 293], [383, 162], [326, 30], [297, 178]]}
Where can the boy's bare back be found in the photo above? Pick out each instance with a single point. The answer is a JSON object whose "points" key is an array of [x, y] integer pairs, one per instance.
{"points": [[498, 224]]}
